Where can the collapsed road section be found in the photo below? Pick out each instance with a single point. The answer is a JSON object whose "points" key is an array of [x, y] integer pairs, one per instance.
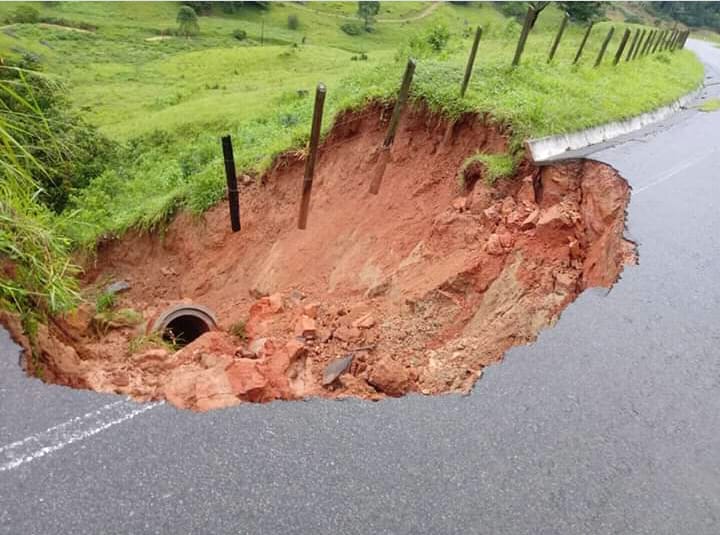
{"points": [[416, 289]]}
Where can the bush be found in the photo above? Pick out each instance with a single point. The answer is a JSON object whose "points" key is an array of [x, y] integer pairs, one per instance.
{"points": [[352, 28], [438, 37], [293, 22], [512, 9], [240, 35], [68, 23], [24, 15]]}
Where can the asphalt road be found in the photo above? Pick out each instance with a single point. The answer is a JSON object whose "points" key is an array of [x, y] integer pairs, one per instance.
{"points": [[610, 423]]}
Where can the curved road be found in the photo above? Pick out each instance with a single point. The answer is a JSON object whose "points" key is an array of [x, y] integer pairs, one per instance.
{"points": [[610, 423]]}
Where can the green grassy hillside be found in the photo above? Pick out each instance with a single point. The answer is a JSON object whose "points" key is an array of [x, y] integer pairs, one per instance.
{"points": [[168, 99]]}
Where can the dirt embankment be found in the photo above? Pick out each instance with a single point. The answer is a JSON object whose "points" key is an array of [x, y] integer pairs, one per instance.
{"points": [[416, 289]]}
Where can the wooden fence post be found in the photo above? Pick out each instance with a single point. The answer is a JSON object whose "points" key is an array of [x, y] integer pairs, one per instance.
{"points": [[392, 127], [529, 19], [231, 176], [643, 34], [471, 61], [559, 35], [604, 46], [312, 155], [582, 43], [621, 46], [649, 41], [633, 45], [658, 40]]}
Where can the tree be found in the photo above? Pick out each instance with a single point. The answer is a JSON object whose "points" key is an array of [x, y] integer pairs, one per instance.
{"points": [[200, 8], [367, 12], [582, 11], [537, 7], [293, 22], [24, 14], [187, 21]]}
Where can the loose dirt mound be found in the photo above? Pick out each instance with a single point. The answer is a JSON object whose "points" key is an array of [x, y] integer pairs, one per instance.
{"points": [[416, 289]]}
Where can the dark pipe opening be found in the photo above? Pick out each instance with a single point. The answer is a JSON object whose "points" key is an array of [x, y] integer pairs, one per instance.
{"points": [[184, 329]]}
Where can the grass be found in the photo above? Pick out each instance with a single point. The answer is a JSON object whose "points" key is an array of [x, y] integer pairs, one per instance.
{"points": [[150, 341], [168, 101], [105, 302], [238, 329], [712, 104], [706, 35], [495, 166]]}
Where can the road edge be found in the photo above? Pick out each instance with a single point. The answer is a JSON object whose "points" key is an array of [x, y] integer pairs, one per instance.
{"points": [[545, 148]]}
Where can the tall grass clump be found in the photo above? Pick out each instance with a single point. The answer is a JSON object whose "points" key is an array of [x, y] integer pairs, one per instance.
{"points": [[36, 273]]}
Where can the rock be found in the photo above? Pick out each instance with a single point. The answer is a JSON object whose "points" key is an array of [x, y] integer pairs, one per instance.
{"points": [[378, 290], [306, 327], [245, 353], [295, 349], [493, 245], [276, 303], [460, 204], [526, 193], [492, 214], [151, 358], [365, 322], [168, 272], [324, 335], [179, 387], [246, 380], [565, 281], [245, 180], [390, 377], [261, 347], [531, 220], [335, 369], [312, 310], [117, 287], [120, 378], [508, 206], [347, 334], [211, 360], [506, 240], [574, 247], [296, 296], [257, 293], [357, 311], [553, 217]]}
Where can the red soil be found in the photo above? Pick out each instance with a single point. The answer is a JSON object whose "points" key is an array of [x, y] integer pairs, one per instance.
{"points": [[422, 285]]}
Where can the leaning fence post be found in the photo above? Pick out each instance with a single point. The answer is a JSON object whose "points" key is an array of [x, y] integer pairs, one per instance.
{"points": [[604, 46], [471, 61], [658, 40], [392, 127], [649, 41], [677, 40], [233, 196], [633, 44], [643, 34], [685, 38], [621, 46], [582, 43], [529, 19], [312, 154], [559, 35]]}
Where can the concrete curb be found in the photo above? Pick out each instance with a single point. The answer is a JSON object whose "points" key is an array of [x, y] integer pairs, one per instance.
{"points": [[545, 148]]}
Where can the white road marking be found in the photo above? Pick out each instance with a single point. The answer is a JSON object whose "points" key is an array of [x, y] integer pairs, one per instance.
{"points": [[674, 171], [78, 428]]}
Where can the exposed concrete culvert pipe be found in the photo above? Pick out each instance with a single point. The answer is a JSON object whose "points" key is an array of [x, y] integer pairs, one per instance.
{"points": [[181, 324]]}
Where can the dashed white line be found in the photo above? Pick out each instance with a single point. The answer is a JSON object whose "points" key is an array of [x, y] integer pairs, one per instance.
{"points": [[57, 437], [674, 171]]}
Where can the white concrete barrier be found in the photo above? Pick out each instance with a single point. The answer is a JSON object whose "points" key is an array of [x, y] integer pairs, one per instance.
{"points": [[548, 147]]}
